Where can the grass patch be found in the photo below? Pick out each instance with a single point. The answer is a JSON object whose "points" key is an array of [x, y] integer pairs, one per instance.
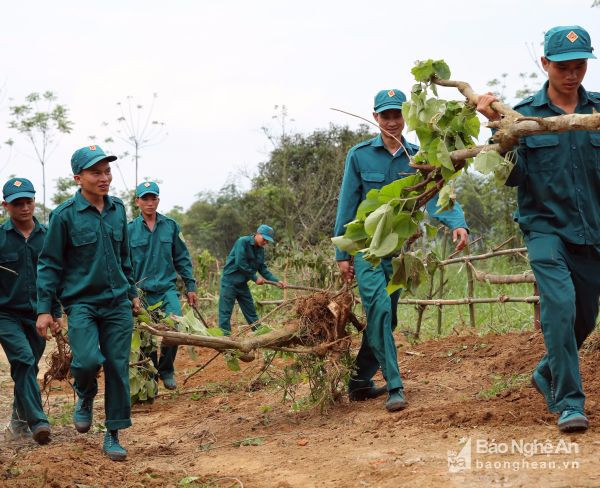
{"points": [[502, 384]]}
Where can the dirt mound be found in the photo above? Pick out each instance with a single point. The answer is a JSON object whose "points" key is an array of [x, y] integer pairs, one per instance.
{"points": [[483, 381], [457, 387]]}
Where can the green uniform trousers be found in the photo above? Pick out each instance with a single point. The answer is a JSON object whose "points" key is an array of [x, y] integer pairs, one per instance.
{"points": [[100, 335], [170, 305], [568, 279], [23, 347], [378, 349], [228, 294]]}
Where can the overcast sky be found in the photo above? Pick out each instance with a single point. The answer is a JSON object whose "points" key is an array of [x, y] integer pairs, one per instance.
{"points": [[219, 68]]}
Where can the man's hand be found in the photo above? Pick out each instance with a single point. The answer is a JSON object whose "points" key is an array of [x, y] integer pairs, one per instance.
{"points": [[462, 236], [44, 321], [136, 305], [347, 271], [192, 299], [281, 284], [484, 106], [260, 280], [57, 325]]}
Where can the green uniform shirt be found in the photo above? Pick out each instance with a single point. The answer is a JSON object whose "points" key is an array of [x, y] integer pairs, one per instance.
{"points": [[558, 175], [18, 293], [244, 260], [158, 255], [85, 258], [370, 165]]}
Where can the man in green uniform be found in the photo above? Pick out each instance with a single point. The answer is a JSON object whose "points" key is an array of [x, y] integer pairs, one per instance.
{"points": [[246, 258], [158, 253], [558, 180], [86, 261], [373, 164], [21, 240]]}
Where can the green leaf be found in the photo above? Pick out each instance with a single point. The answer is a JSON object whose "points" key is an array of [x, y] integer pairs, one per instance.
{"points": [[232, 361], [443, 156], [188, 480], [214, 332], [472, 126], [151, 308], [431, 231], [441, 69], [136, 342], [366, 207], [346, 245], [372, 221], [355, 231], [446, 198], [423, 70], [404, 226], [486, 162], [386, 247], [425, 135]]}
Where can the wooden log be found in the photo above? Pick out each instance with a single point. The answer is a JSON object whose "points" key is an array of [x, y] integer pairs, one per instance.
{"points": [[526, 277], [466, 301]]}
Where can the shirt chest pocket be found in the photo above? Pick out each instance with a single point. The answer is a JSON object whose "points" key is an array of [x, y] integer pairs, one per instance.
{"points": [[9, 260], [542, 152], [84, 244], [595, 142], [139, 247], [166, 246], [371, 179]]}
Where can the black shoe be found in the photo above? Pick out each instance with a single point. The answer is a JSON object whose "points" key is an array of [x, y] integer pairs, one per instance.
{"points": [[366, 393], [396, 400], [41, 433]]}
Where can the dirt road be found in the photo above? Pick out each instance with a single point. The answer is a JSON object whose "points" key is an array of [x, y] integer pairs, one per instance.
{"points": [[463, 391]]}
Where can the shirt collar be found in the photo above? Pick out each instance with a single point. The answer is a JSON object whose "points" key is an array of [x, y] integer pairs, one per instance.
{"points": [[378, 142], [541, 97], [159, 218], [81, 203], [8, 225]]}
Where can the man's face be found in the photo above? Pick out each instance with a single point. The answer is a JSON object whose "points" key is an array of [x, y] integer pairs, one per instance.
{"points": [[95, 180], [565, 76], [21, 209], [390, 121], [147, 204], [260, 240]]}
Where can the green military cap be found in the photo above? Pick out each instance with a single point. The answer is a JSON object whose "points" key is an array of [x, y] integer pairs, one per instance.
{"points": [[145, 188], [389, 99], [87, 156], [17, 188], [267, 232], [567, 42]]}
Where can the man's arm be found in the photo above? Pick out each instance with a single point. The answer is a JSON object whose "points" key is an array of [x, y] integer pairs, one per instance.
{"points": [[348, 202], [454, 219], [182, 260], [50, 265], [127, 267], [265, 272]]}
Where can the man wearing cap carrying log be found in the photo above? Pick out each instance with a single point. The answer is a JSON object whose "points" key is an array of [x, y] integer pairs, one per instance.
{"points": [[245, 260], [374, 164], [21, 240], [85, 259], [558, 180], [158, 254]]}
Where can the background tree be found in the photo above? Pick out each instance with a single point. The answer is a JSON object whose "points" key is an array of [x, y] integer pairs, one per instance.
{"points": [[40, 119], [295, 191], [136, 128], [66, 187]]}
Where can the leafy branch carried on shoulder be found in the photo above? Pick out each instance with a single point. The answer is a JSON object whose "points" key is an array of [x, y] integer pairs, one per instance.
{"points": [[392, 217]]}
